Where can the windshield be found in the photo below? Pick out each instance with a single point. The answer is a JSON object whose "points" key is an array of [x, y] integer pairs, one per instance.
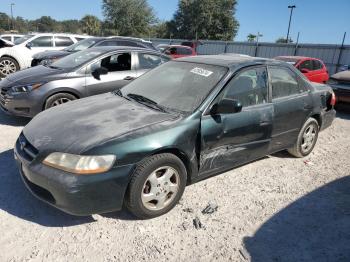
{"points": [[22, 39], [76, 59], [181, 86], [81, 45]]}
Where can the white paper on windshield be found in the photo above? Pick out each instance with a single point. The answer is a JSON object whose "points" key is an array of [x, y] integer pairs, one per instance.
{"points": [[201, 71]]}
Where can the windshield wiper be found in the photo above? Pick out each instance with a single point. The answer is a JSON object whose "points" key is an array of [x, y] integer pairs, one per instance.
{"points": [[146, 101]]}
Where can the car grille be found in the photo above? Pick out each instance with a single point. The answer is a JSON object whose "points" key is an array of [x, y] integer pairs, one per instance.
{"points": [[26, 149], [3, 91]]}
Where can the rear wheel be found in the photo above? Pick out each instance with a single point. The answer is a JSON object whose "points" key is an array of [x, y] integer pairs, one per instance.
{"points": [[8, 66], [59, 99], [306, 139], [156, 186]]}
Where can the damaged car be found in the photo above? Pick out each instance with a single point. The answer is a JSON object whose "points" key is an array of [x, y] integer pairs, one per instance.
{"points": [[181, 122]]}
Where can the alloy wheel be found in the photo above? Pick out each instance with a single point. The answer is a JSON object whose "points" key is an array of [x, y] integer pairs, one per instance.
{"points": [[160, 188], [308, 140], [60, 101], [7, 67]]}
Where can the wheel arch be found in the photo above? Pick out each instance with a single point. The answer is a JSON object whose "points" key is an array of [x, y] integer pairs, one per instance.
{"points": [[181, 155], [61, 91], [318, 119]]}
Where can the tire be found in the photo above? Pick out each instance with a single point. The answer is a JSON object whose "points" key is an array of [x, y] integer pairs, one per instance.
{"points": [[58, 99], [151, 192], [306, 138], [8, 65]]}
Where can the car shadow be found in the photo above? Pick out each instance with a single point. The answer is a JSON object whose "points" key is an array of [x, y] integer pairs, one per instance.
{"points": [[15, 199], [9, 120], [316, 227]]}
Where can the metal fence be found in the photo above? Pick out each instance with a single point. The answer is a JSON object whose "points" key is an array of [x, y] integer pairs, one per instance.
{"points": [[334, 56]]}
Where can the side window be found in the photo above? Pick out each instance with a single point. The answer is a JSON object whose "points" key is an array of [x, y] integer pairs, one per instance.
{"points": [[113, 63], [171, 51], [61, 41], [17, 37], [248, 87], [184, 51], [127, 43], [284, 82], [307, 65], [8, 38], [148, 61], [42, 41], [317, 65]]}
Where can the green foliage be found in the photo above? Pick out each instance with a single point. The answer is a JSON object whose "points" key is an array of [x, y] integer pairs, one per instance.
{"points": [[251, 37], [205, 19], [91, 25], [284, 40], [129, 17]]}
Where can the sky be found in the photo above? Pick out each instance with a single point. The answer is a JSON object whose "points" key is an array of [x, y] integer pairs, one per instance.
{"points": [[318, 21]]}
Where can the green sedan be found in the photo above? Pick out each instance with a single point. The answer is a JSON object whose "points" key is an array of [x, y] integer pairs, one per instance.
{"points": [[184, 121]]}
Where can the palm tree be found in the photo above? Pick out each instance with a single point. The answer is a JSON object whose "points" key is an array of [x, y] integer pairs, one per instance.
{"points": [[91, 25], [251, 37]]}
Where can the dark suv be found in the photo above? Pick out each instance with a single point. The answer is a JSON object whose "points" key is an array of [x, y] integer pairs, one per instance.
{"points": [[48, 57]]}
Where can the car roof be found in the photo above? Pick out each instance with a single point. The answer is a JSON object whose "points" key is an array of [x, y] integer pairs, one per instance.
{"points": [[107, 49], [58, 34], [228, 60], [184, 46], [298, 57], [129, 38]]}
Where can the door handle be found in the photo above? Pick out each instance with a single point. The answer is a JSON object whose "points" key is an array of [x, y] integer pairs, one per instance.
{"points": [[128, 78], [265, 123]]}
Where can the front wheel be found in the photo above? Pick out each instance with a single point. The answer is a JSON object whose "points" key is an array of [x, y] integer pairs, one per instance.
{"points": [[59, 99], [306, 139], [8, 66], [156, 186]]}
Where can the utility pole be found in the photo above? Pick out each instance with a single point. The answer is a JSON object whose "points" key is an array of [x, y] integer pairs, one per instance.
{"points": [[291, 7], [12, 4]]}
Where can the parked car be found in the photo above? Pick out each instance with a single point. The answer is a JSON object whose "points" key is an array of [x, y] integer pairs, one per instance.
{"points": [[183, 121], [314, 69], [177, 51], [11, 37], [48, 57], [340, 82], [19, 57], [85, 73]]}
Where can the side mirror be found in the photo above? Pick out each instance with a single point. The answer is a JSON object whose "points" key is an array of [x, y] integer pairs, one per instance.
{"points": [[226, 106], [98, 72], [304, 70], [29, 45]]}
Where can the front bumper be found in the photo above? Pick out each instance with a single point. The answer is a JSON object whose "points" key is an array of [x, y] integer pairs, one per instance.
{"points": [[20, 105], [74, 194]]}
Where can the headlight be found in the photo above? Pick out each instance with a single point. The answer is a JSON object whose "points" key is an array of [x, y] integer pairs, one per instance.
{"points": [[80, 164], [26, 88], [48, 61]]}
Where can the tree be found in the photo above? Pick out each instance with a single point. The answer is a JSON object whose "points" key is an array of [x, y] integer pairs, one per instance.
{"points": [[205, 19], [71, 26], [284, 40], [129, 17], [251, 37], [91, 25]]}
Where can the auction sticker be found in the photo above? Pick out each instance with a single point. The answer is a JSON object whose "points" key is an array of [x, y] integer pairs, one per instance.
{"points": [[201, 71]]}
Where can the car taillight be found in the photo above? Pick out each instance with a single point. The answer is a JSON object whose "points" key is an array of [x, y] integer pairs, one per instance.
{"points": [[333, 100]]}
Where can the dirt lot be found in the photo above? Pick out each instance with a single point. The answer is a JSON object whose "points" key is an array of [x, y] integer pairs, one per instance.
{"points": [[275, 209]]}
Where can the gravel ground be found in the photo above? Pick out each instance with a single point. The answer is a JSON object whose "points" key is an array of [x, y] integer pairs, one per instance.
{"points": [[276, 209]]}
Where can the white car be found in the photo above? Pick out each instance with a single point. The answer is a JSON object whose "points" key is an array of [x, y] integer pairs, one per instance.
{"points": [[20, 56], [11, 37]]}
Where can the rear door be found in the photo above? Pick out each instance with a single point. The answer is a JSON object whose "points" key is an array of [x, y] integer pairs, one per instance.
{"points": [[121, 70], [292, 104], [232, 139]]}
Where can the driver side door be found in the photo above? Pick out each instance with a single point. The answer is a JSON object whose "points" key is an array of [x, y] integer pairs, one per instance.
{"points": [[121, 71], [231, 139]]}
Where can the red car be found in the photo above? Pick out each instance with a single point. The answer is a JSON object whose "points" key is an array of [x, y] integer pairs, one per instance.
{"points": [[314, 69], [177, 51]]}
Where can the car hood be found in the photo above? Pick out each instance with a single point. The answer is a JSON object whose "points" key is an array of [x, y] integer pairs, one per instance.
{"points": [[36, 74], [80, 125], [51, 54], [342, 76]]}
